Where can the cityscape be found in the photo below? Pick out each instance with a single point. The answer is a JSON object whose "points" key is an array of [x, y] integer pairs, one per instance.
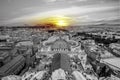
{"points": [[34, 53], [59, 40]]}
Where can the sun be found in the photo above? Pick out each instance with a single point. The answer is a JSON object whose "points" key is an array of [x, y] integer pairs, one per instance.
{"points": [[61, 23], [57, 21]]}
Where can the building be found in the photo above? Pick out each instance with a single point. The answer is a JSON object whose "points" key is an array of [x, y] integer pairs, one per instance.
{"points": [[60, 61], [60, 45], [113, 64], [115, 49], [30, 57], [4, 58], [13, 67]]}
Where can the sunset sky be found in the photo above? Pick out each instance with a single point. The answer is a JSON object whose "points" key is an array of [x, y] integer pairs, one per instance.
{"points": [[18, 12]]}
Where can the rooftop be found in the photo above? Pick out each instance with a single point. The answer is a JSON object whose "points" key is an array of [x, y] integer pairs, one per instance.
{"points": [[112, 62]]}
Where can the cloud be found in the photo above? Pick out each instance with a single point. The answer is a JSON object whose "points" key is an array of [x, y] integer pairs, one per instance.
{"points": [[67, 11], [88, 10], [50, 0]]}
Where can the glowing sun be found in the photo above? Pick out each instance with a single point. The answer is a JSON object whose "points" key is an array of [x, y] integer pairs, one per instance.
{"points": [[61, 23], [57, 21]]}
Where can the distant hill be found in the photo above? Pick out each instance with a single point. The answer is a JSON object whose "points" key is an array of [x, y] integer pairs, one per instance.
{"points": [[99, 25]]}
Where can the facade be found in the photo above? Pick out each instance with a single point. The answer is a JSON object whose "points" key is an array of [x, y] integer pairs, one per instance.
{"points": [[60, 45]]}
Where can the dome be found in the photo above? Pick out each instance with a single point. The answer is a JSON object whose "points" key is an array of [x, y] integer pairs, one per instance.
{"points": [[60, 44]]}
